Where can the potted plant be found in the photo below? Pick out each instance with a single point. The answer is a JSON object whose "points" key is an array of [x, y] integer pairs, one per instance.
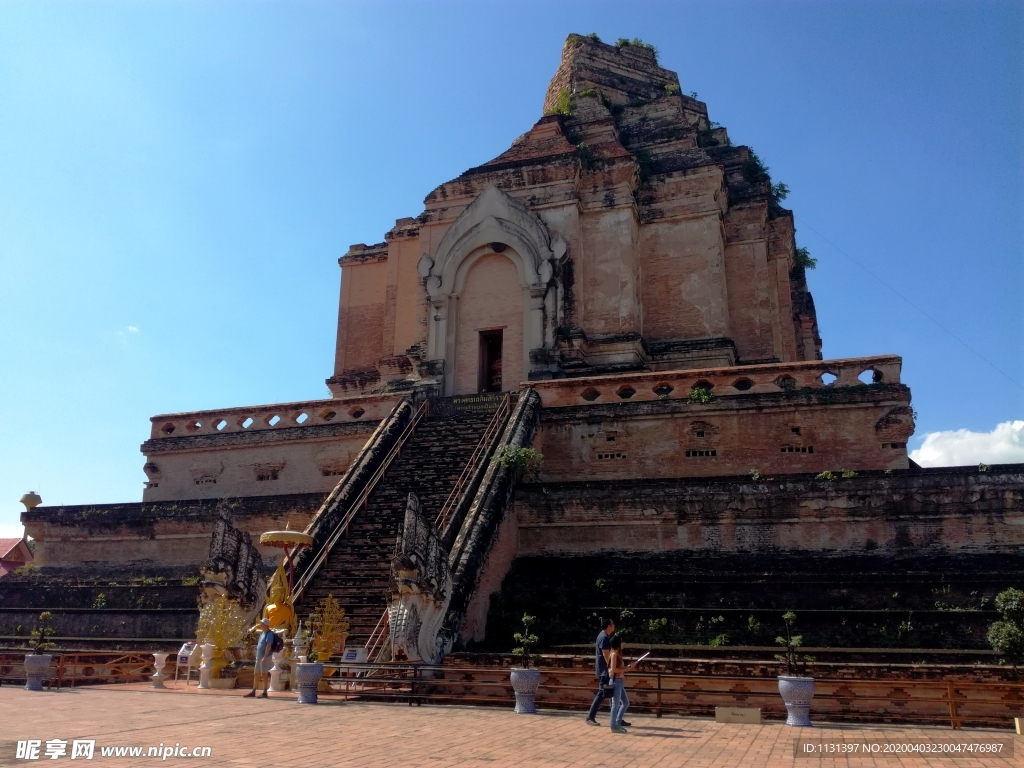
{"points": [[525, 680], [797, 690], [307, 677], [37, 663]]}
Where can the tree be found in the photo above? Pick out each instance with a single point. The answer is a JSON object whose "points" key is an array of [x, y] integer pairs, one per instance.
{"points": [[1007, 635]]}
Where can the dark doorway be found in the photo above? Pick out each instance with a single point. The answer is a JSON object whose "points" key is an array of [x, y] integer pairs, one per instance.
{"points": [[490, 362]]}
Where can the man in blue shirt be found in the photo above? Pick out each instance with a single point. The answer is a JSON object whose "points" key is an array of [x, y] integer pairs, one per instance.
{"points": [[602, 653], [264, 651]]}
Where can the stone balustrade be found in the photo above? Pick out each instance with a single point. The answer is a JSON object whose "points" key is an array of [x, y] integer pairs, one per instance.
{"points": [[736, 380], [308, 413]]}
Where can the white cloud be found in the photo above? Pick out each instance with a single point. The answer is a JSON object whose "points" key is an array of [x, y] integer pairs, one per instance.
{"points": [[133, 329], [961, 447]]}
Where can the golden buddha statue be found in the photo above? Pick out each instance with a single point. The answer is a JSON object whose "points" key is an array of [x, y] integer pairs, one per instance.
{"points": [[279, 611]]}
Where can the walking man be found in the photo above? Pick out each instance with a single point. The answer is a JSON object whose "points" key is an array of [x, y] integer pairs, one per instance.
{"points": [[602, 657], [264, 649]]}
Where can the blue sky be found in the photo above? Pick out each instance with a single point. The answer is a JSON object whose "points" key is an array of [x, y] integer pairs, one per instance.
{"points": [[177, 181]]}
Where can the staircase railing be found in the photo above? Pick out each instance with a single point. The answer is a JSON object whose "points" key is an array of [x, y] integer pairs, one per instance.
{"points": [[480, 452], [382, 632], [342, 528], [378, 637]]}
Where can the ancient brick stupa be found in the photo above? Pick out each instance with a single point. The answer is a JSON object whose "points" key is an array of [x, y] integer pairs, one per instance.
{"points": [[631, 275]]}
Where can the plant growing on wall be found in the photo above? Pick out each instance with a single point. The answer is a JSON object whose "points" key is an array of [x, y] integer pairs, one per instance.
{"points": [[563, 104], [636, 42], [524, 460], [1007, 635], [802, 259], [41, 633], [700, 395], [527, 641]]}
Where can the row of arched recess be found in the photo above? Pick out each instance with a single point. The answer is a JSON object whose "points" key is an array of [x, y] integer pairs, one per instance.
{"points": [[664, 389], [213, 423]]}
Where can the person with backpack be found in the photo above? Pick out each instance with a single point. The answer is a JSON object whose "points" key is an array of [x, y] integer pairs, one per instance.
{"points": [[269, 643], [617, 672]]}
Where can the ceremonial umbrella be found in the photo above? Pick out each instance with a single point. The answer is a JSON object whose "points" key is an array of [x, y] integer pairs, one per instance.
{"points": [[291, 542]]}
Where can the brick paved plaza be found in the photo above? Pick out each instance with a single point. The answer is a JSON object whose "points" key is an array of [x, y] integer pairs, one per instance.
{"points": [[279, 732]]}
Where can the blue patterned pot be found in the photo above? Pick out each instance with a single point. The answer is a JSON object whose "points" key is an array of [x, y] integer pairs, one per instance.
{"points": [[797, 692], [307, 678], [37, 665], [525, 683]]}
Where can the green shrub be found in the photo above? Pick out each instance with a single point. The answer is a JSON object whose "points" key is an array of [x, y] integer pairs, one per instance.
{"points": [[563, 104], [527, 640], [41, 633], [1007, 635], [525, 460], [791, 642], [671, 89]]}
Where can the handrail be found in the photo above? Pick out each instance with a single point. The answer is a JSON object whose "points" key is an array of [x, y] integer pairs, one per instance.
{"points": [[378, 636], [496, 422], [342, 527], [382, 631]]}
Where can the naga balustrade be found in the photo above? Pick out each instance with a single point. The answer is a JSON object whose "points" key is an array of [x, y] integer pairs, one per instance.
{"points": [[735, 380], [907, 701], [480, 453], [342, 528], [452, 406]]}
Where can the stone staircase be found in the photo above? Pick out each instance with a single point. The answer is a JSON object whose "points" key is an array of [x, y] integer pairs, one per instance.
{"points": [[357, 569]]}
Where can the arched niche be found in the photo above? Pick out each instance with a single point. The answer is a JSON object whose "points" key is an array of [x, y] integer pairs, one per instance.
{"points": [[493, 219]]}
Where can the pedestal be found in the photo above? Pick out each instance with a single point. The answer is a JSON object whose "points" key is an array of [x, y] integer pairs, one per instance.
{"points": [[159, 661], [275, 672], [207, 667]]}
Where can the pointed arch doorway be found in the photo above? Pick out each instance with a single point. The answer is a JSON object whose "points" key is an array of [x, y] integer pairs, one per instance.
{"points": [[489, 336]]}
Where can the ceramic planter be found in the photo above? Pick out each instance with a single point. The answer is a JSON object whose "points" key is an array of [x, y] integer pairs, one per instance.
{"points": [[37, 665], [525, 683], [159, 661], [307, 677], [797, 692]]}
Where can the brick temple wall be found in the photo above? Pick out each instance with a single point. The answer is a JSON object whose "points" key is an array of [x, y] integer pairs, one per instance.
{"points": [[955, 509], [161, 534]]}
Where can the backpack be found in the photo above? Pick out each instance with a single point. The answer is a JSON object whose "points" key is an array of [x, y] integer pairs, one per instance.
{"points": [[277, 644]]}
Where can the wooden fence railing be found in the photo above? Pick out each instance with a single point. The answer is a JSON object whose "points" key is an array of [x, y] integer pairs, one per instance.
{"points": [[905, 701], [85, 668]]}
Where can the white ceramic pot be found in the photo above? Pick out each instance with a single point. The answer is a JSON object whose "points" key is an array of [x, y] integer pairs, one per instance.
{"points": [[525, 683], [37, 665], [797, 692], [275, 672], [207, 667], [307, 678], [159, 661]]}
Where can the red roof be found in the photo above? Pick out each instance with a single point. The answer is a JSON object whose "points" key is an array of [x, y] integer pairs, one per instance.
{"points": [[7, 546]]}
